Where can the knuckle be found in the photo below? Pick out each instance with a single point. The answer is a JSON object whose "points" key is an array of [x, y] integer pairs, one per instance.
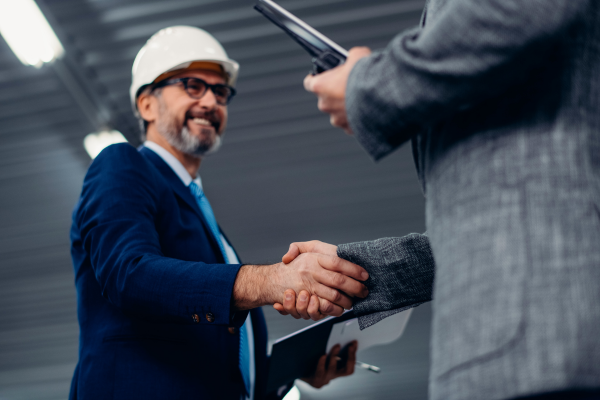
{"points": [[337, 297], [303, 266], [336, 262], [322, 105], [316, 85], [339, 279], [326, 307]]}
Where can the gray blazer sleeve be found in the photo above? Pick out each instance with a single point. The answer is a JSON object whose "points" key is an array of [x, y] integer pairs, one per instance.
{"points": [[470, 51], [401, 272]]}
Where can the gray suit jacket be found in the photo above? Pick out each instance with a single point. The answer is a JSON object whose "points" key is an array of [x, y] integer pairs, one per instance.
{"points": [[501, 99]]}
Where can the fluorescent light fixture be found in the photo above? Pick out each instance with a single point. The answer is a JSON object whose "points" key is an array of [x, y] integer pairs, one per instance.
{"points": [[293, 394], [28, 33], [94, 143]]}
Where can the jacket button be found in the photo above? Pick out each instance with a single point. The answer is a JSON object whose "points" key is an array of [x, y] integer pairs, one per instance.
{"points": [[196, 318], [210, 317], [232, 330]]}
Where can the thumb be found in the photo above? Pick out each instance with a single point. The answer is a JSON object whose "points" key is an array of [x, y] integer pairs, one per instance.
{"points": [[298, 248], [313, 246], [292, 253], [356, 53]]}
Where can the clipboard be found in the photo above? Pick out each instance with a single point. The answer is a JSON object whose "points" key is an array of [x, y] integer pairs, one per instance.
{"points": [[325, 52], [296, 355], [313, 342]]}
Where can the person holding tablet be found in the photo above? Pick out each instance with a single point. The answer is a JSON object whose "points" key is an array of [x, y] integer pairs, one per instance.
{"points": [[500, 102]]}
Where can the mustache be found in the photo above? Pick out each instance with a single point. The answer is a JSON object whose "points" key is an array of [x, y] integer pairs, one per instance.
{"points": [[210, 116]]}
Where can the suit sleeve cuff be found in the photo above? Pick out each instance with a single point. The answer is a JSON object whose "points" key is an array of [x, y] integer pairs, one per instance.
{"points": [[401, 272]]}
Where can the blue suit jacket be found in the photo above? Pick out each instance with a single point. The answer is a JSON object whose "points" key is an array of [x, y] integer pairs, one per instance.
{"points": [[146, 264]]}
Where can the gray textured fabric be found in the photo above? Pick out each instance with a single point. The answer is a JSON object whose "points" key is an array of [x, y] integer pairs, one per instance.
{"points": [[402, 269], [501, 100]]}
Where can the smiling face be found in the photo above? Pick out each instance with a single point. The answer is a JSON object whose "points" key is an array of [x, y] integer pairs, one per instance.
{"points": [[192, 126]]}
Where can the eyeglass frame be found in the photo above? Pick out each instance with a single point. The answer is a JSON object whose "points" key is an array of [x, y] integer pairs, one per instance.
{"points": [[185, 80]]}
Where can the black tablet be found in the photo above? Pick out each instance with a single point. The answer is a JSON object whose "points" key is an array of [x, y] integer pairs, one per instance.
{"points": [[325, 52]]}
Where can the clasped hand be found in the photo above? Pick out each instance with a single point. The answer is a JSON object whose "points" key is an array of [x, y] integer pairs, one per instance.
{"points": [[325, 301]]}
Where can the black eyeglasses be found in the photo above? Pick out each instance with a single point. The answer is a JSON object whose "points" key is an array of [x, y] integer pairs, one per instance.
{"points": [[196, 88]]}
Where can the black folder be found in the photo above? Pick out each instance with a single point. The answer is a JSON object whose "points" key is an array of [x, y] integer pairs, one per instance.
{"points": [[296, 355]]}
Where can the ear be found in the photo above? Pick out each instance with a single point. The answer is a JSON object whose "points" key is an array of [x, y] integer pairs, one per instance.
{"points": [[147, 107]]}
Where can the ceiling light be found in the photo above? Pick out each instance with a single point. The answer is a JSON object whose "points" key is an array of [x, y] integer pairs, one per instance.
{"points": [[28, 33], [94, 143]]}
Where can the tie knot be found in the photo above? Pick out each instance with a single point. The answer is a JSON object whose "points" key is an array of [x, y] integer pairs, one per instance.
{"points": [[196, 190]]}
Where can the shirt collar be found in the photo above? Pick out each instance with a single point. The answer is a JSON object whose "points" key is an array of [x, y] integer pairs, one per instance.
{"points": [[174, 163]]}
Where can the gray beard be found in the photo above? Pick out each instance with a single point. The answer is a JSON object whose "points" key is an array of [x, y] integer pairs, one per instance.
{"points": [[183, 140]]}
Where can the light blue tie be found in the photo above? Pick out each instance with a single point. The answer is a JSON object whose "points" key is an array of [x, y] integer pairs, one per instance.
{"points": [[206, 209], [208, 215]]}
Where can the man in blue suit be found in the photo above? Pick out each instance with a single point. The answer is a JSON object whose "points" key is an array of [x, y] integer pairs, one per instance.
{"points": [[166, 309]]}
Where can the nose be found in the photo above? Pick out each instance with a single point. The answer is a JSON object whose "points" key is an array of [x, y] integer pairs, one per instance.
{"points": [[208, 101]]}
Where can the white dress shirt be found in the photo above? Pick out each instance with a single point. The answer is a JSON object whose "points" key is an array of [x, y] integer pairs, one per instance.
{"points": [[185, 177]]}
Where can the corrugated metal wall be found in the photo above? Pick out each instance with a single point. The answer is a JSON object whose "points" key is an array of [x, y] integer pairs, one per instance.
{"points": [[282, 175]]}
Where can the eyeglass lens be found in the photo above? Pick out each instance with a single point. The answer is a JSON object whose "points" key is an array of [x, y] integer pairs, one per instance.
{"points": [[196, 88]]}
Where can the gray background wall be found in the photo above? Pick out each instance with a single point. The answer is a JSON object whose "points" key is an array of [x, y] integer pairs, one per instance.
{"points": [[283, 174]]}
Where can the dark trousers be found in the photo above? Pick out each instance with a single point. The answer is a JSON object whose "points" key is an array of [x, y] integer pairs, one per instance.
{"points": [[568, 395]]}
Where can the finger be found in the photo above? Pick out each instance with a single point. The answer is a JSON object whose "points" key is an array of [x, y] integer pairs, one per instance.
{"points": [[313, 308], [302, 304], [309, 83], [328, 308], [351, 363], [333, 295], [332, 367], [293, 252], [321, 372], [340, 283], [356, 53], [331, 105], [289, 303], [336, 264], [337, 280], [339, 120], [280, 309], [317, 380]]}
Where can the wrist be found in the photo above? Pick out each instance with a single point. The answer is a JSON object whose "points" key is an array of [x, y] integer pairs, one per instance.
{"points": [[256, 286], [272, 290]]}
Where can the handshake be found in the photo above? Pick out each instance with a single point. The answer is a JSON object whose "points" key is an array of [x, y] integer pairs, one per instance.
{"points": [[311, 282]]}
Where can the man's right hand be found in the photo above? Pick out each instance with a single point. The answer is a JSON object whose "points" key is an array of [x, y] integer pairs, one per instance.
{"points": [[333, 280], [307, 306]]}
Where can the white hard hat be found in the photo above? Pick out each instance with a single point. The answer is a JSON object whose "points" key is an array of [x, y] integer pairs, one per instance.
{"points": [[176, 48]]}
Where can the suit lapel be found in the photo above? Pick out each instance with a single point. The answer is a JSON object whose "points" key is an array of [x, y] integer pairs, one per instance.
{"points": [[181, 191]]}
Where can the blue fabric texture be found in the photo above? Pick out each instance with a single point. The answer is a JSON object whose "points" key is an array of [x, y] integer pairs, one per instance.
{"points": [[209, 215], [153, 289]]}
